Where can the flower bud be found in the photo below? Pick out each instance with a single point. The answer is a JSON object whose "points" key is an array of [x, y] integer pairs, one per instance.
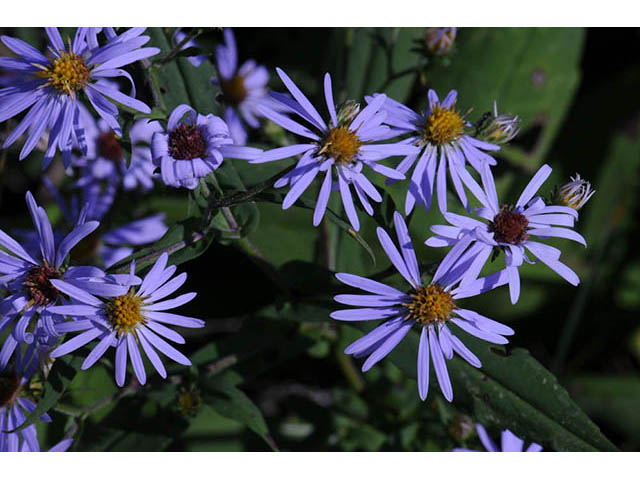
{"points": [[439, 40], [189, 402], [347, 112], [574, 194], [502, 128]]}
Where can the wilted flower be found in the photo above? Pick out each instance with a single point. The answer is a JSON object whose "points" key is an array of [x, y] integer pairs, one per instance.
{"points": [[509, 228], [574, 194], [444, 144], [433, 306], [49, 86], [193, 146], [439, 40], [502, 128], [128, 318], [508, 442], [345, 148]]}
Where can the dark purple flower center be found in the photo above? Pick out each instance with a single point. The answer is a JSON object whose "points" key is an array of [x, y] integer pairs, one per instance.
{"points": [[9, 388], [186, 142], [40, 289], [109, 147], [509, 226], [233, 90]]}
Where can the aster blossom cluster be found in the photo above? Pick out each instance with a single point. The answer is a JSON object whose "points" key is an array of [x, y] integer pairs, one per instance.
{"points": [[136, 183]]}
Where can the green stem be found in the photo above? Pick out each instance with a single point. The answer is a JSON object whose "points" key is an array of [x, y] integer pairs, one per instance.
{"points": [[570, 326], [242, 197], [152, 77], [350, 371], [176, 50]]}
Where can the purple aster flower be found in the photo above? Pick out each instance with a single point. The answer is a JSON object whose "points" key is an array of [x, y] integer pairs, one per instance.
{"points": [[195, 60], [27, 276], [444, 144], [509, 228], [15, 407], [508, 442], [432, 306], [243, 88], [104, 162], [48, 86], [193, 146], [344, 146], [128, 318]]}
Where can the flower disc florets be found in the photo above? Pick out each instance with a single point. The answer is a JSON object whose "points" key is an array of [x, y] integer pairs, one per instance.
{"points": [[233, 90], [430, 304], [38, 286], [509, 226], [341, 144], [109, 146], [443, 125], [124, 312], [186, 142], [9, 388], [67, 73]]}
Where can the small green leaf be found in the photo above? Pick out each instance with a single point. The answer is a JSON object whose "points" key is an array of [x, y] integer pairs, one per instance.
{"points": [[220, 392]]}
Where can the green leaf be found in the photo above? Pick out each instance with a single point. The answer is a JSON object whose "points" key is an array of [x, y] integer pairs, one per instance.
{"points": [[220, 392], [169, 76], [511, 391], [62, 373], [309, 204], [368, 63]]}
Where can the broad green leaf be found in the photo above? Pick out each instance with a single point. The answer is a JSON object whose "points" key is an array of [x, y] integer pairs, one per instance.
{"points": [[332, 216], [174, 90], [511, 391], [368, 63]]}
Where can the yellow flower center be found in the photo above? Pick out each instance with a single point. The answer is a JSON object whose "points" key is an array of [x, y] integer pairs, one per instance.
{"points": [[233, 90], [341, 144], [443, 126], [430, 304], [67, 73], [124, 312]]}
